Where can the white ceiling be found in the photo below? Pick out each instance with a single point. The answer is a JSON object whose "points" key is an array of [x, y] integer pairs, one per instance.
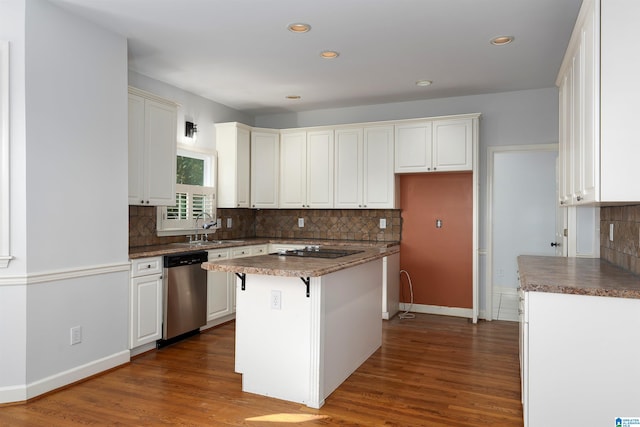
{"points": [[240, 53]]}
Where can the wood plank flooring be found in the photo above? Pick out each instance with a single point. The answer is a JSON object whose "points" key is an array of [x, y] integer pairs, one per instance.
{"points": [[430, 371]]}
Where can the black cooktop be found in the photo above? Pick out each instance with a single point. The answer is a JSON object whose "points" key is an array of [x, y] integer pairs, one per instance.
{"points": [[317, 252]]}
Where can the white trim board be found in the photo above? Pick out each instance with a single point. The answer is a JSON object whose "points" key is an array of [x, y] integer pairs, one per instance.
{"points": [[52, 276], [24, 392], [437, 309]]}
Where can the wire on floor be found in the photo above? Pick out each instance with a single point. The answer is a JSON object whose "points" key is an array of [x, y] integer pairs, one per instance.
{"points": [[406, 314]]}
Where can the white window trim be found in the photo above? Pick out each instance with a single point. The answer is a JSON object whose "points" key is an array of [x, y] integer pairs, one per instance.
{"points": [[168, 227], [5, 253], [209, 159]]}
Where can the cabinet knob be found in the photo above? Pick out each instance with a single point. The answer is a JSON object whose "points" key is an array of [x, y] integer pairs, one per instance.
{"points": [[147, 202], [141, 201], [579, 198]]}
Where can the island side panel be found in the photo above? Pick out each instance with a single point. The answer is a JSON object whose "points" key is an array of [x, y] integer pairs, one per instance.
{"points": [[273, 346], [351, 320]]}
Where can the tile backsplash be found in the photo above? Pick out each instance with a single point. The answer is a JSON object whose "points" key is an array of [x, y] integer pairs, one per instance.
{"points": [[333, 224], [624, 250]]}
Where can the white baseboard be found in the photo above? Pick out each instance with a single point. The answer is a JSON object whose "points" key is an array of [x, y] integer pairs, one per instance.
{"points": [[437, 309], [75, 374], [142, 349]]}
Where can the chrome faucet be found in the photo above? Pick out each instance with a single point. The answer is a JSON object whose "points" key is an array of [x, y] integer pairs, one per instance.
{"points": [[206, 225]]}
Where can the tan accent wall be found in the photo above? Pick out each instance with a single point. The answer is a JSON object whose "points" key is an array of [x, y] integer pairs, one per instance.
{"points": [[439, 260]]}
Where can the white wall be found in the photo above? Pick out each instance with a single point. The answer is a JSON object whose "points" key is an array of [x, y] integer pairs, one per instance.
{"points": [[508, 118], [13, 304], [69, 211]]}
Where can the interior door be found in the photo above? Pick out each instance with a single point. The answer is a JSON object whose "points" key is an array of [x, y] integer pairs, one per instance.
{"points": [[524, 216]]}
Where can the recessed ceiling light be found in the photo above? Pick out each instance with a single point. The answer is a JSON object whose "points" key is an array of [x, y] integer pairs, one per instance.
{"points": [[299, 27], [501, 40], [423, 83], [293, 97], [329, 54]]}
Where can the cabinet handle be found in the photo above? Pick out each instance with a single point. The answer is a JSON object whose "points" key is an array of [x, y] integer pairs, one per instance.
{"points": [[579, 198], [562, 202], [148, 265]]}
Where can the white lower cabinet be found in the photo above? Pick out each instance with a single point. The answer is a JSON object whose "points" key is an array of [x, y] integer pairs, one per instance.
{"points": [[219, 288], [579, 358], [145, 301]]}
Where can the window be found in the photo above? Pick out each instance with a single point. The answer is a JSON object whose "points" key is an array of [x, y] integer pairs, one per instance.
{"points": [[195, 195]]}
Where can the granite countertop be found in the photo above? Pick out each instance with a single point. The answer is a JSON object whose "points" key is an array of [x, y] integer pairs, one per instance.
{"points": [[580, 276], [291, 266], [175, 248]]}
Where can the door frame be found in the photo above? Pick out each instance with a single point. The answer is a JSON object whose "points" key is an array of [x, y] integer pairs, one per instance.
{"points": [[491, 152]]}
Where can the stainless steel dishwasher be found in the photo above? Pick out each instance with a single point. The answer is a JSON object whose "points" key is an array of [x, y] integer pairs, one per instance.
{"points": [[185, 295]]}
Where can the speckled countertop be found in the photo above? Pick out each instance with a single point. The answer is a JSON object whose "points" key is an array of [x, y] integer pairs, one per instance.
{"points": [[175, 248], [291, 266], [580, 276]]}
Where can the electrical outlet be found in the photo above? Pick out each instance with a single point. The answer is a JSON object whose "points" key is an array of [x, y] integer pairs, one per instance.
{"points": [[300, 222], [276, 300], [383, 223], [76, 335], [219, 223], [611, 232], [229, 222]]}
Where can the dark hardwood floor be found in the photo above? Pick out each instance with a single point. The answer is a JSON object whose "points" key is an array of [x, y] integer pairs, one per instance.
{"points": [[430, 371]]}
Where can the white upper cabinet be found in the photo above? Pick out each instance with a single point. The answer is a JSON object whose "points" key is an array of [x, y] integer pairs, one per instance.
{"points": [[233, 147], [152, 149], [349, 172], [452, 145], [380, 183], [306, 169], [414, 147], [265, 168], [364, 168], [434, 145], [597, 80]]}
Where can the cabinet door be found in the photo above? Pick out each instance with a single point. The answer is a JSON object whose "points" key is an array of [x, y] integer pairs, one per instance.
{"points": [[265, 168], [379, 179], [219, 289], [565, 161], [452, 145], [348, 168], [413, 147], [136, 150], [320, 160], [160, 157], [146, 310], [233, 145], [243, 168], [589, 154], [293, 170]]}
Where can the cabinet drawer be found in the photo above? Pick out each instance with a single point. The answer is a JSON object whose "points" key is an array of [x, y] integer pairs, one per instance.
{"points": [[241, 251], [146, 266], [218, 254], [259, 249]]}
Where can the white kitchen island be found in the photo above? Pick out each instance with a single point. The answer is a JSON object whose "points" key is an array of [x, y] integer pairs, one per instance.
{"points": [[303, 325]]}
